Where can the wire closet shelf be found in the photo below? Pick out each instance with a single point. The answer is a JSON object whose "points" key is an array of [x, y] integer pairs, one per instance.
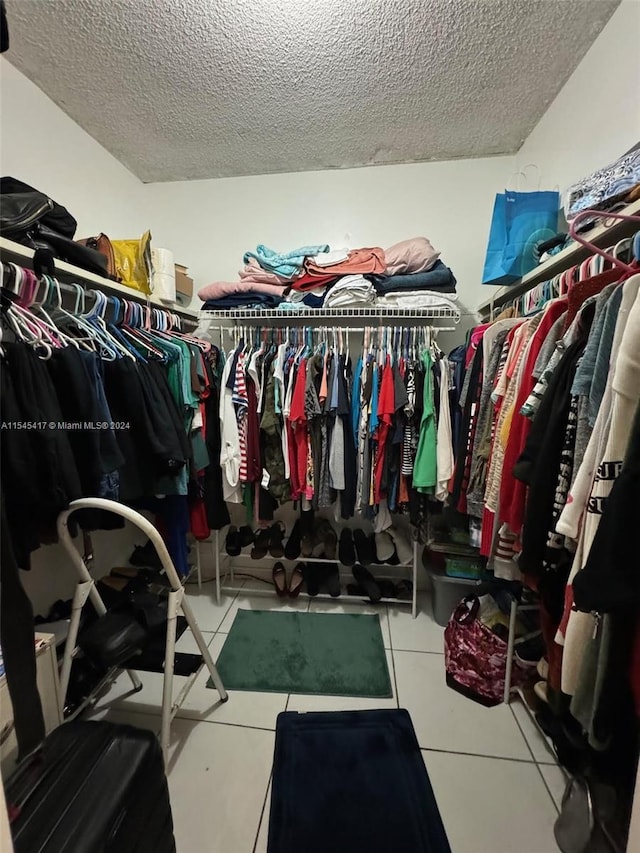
{"points": [[319, 314]]}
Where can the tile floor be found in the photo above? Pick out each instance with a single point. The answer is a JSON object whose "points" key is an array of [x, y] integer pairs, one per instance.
{"points": [[496, 783]]}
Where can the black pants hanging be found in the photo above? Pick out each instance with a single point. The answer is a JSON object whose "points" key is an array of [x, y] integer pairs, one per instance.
{"points": [[18, 649]]}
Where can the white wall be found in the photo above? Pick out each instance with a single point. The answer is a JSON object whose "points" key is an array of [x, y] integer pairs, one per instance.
{"points": [[596, 115], [210, 224], [41, 145]]}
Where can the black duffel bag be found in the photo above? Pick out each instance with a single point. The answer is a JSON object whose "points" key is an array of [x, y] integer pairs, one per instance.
{"points": [[32, 219], [22, 205]]}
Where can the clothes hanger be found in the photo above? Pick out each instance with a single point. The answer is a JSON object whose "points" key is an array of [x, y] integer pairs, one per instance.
{"points": [[26, 330], [95, 319], [91, 341], [132, 339], [137, 335], [627, 268], [36, 329], [36, 305]]}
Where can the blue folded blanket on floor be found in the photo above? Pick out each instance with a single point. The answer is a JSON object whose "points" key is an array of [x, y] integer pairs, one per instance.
{"points": [[439, 279], [243, 300]]}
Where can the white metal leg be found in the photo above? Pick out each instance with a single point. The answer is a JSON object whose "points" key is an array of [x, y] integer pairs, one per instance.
{"points": [[198, 565], [414, 603], [216, 558], [177, 599], [230, 565], [513, 614], [204, 650], [79, 599]]}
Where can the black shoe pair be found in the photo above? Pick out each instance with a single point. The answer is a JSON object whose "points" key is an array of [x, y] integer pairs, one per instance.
{"points": [[269, 541], [238, 539], [364, 548], [292, 547], [346, 549], [367, 582], [317, 575], [377, 589], [303, 537]]}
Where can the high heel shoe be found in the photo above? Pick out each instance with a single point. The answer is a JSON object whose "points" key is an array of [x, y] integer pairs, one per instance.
{"points": [[279, 576]]}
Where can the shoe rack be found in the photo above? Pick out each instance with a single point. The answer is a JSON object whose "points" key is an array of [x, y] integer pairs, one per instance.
{"points": [[227, 582]]}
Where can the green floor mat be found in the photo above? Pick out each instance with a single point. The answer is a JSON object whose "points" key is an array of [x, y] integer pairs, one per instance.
{"points": [[336, 654]]}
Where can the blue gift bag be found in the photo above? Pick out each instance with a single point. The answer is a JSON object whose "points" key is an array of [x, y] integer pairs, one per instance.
{"points": [[520, 221]]}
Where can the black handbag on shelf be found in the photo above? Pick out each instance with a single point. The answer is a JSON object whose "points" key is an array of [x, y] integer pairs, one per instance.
{"points": [[21, 206], [43, 237], [32, 219]]}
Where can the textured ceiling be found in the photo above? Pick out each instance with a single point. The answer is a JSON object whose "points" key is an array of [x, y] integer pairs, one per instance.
{"points": [[184, 89]]}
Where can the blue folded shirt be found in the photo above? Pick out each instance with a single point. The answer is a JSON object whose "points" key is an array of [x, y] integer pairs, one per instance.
{"points": [[439, 279], [285, 264], [243, 300]]}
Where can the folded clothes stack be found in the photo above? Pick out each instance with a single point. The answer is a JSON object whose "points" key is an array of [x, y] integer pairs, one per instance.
{"points": [[408, 274]]}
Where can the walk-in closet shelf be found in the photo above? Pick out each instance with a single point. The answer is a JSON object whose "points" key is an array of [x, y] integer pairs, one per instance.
{"points": [[320, 314], [23, 255]]}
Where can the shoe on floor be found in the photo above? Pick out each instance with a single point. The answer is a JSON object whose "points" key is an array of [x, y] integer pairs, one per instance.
{"points": [[540, 689], [542, 669], [292, 548], [276, 535], [346, 549], [307, 537], [261, 544], [296, 580], [232, 542], [367, 581], [332, 580], [312, 579], [387, 588], [528, 654], [247, 536], [363, 547], [327, 537], [279, 576], [385, 548], [403, 545]]}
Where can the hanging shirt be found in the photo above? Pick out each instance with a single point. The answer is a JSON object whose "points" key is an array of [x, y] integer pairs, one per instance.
{"points": [[355, 400], [444, 448], [425, 468], [385, 410], [298, 422]]}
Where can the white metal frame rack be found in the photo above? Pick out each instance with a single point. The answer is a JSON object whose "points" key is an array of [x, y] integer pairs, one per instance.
{"points": [[224, 585], [318, 317]]}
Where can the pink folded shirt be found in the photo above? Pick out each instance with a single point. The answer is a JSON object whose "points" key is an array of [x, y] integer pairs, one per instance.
{"points": [[253, 271], [415, 255], [218, 289]]}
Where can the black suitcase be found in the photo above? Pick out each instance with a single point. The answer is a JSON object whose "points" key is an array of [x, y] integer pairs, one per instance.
{"points": [[93, 787]]}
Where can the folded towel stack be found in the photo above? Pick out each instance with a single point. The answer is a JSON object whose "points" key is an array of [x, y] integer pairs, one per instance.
{"points": [[408, 274]]}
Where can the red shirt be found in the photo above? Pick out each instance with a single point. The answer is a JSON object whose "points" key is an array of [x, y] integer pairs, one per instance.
{"points": [[512, 491]]}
